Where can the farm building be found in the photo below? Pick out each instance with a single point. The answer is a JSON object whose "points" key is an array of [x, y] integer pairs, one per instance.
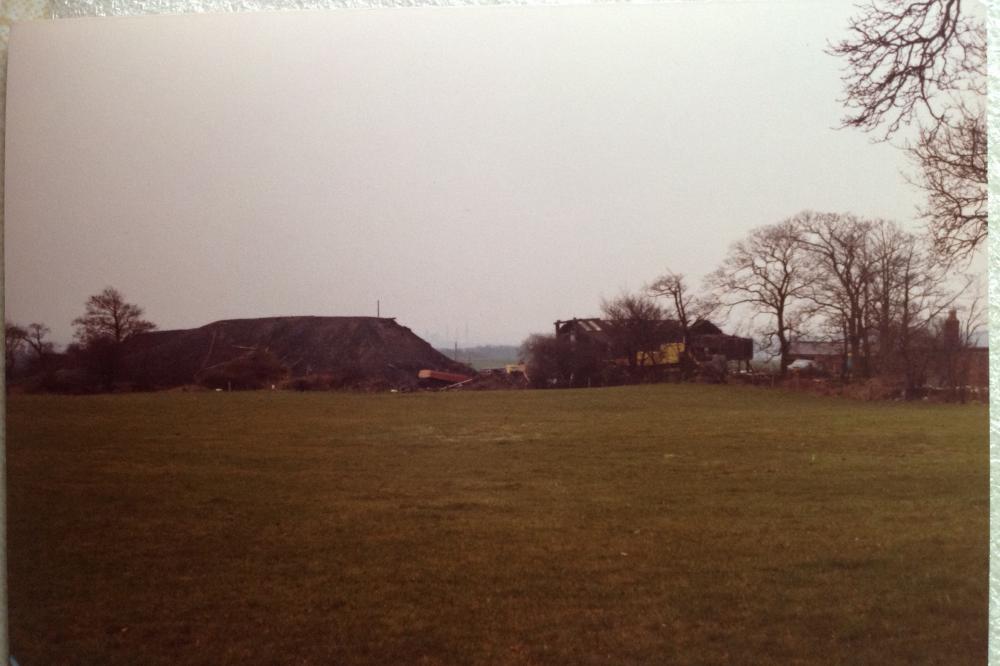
{"points": [[959, 363], [660, 343], [827, 355], [942, 359], [973, 366]]}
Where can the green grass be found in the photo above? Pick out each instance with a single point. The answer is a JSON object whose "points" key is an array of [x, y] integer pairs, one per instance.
{"points": [[656, 524]]}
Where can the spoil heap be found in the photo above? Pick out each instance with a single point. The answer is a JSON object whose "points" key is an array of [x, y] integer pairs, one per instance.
{"points": [[303, 352]]}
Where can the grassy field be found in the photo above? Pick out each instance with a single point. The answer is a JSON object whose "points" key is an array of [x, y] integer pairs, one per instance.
{"points": [[659, 524]]}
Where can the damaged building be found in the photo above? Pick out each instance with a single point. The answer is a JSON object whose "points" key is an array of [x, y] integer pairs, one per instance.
{"points": [[655, 347]]}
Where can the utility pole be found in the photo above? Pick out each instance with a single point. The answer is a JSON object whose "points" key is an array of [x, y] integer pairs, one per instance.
{"points": [[378, 309]]}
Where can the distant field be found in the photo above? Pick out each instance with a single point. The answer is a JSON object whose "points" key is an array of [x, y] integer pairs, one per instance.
{"points": [[664, 524], [484, 357]]}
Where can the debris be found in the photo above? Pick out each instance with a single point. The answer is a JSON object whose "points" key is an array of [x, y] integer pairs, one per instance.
{"points": [[450, 377], [492, 380]]}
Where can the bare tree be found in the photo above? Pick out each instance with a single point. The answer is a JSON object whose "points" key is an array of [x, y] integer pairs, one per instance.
{"points": [[952, 161], [14, 339], [975, 309], [109, 317], [637, 321], [920, 295], [906, 59], [890, 246], [765, 272], [924, 62], [906, 283], [35, 338], [688, 307], [878, 286], [960, 363], [106, 324], [840, 276]]}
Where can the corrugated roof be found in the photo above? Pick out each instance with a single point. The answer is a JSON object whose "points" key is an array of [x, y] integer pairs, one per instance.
{"points": [[603, 329]]}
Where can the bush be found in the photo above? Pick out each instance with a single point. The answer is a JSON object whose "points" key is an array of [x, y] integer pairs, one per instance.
{"points": [[63, 380], [318, 382]]}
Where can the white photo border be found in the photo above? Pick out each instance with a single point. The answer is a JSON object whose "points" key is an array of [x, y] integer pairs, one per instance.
{"points": [[13, 11]]}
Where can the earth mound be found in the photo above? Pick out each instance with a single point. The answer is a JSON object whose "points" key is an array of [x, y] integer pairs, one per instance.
{"points": [[347, 352]]}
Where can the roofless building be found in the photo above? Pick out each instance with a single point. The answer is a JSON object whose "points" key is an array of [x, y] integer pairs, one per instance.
{"points": [[662, 343]]}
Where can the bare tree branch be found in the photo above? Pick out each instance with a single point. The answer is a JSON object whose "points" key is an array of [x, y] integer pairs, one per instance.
{"points": [[763, 272], [924, 63]]}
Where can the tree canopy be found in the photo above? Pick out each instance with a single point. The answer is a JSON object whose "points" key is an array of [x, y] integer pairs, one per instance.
{"points": [[924, 64], [109, 318]]}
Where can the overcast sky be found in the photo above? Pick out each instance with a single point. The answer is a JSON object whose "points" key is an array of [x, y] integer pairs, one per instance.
{"points": [[487, 170]]}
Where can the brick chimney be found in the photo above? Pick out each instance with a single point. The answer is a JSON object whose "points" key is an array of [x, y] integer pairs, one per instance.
{"points": [[952, 332]]}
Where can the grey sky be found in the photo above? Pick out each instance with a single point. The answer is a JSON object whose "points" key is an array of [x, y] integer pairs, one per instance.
{"points": [[488, 168]]}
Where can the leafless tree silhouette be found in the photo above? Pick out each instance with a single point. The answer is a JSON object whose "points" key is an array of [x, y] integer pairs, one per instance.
{"points": [[105, 325], [765, 272], [688, 307], [924, 63], [637, 320]]}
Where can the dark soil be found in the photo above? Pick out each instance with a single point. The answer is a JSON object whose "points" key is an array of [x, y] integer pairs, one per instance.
{"points": [[358, 351]]}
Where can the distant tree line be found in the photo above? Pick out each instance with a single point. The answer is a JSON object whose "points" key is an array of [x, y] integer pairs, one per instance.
{"points": [[96, 360], [26, 346], [878, 291], [92, 361]]}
